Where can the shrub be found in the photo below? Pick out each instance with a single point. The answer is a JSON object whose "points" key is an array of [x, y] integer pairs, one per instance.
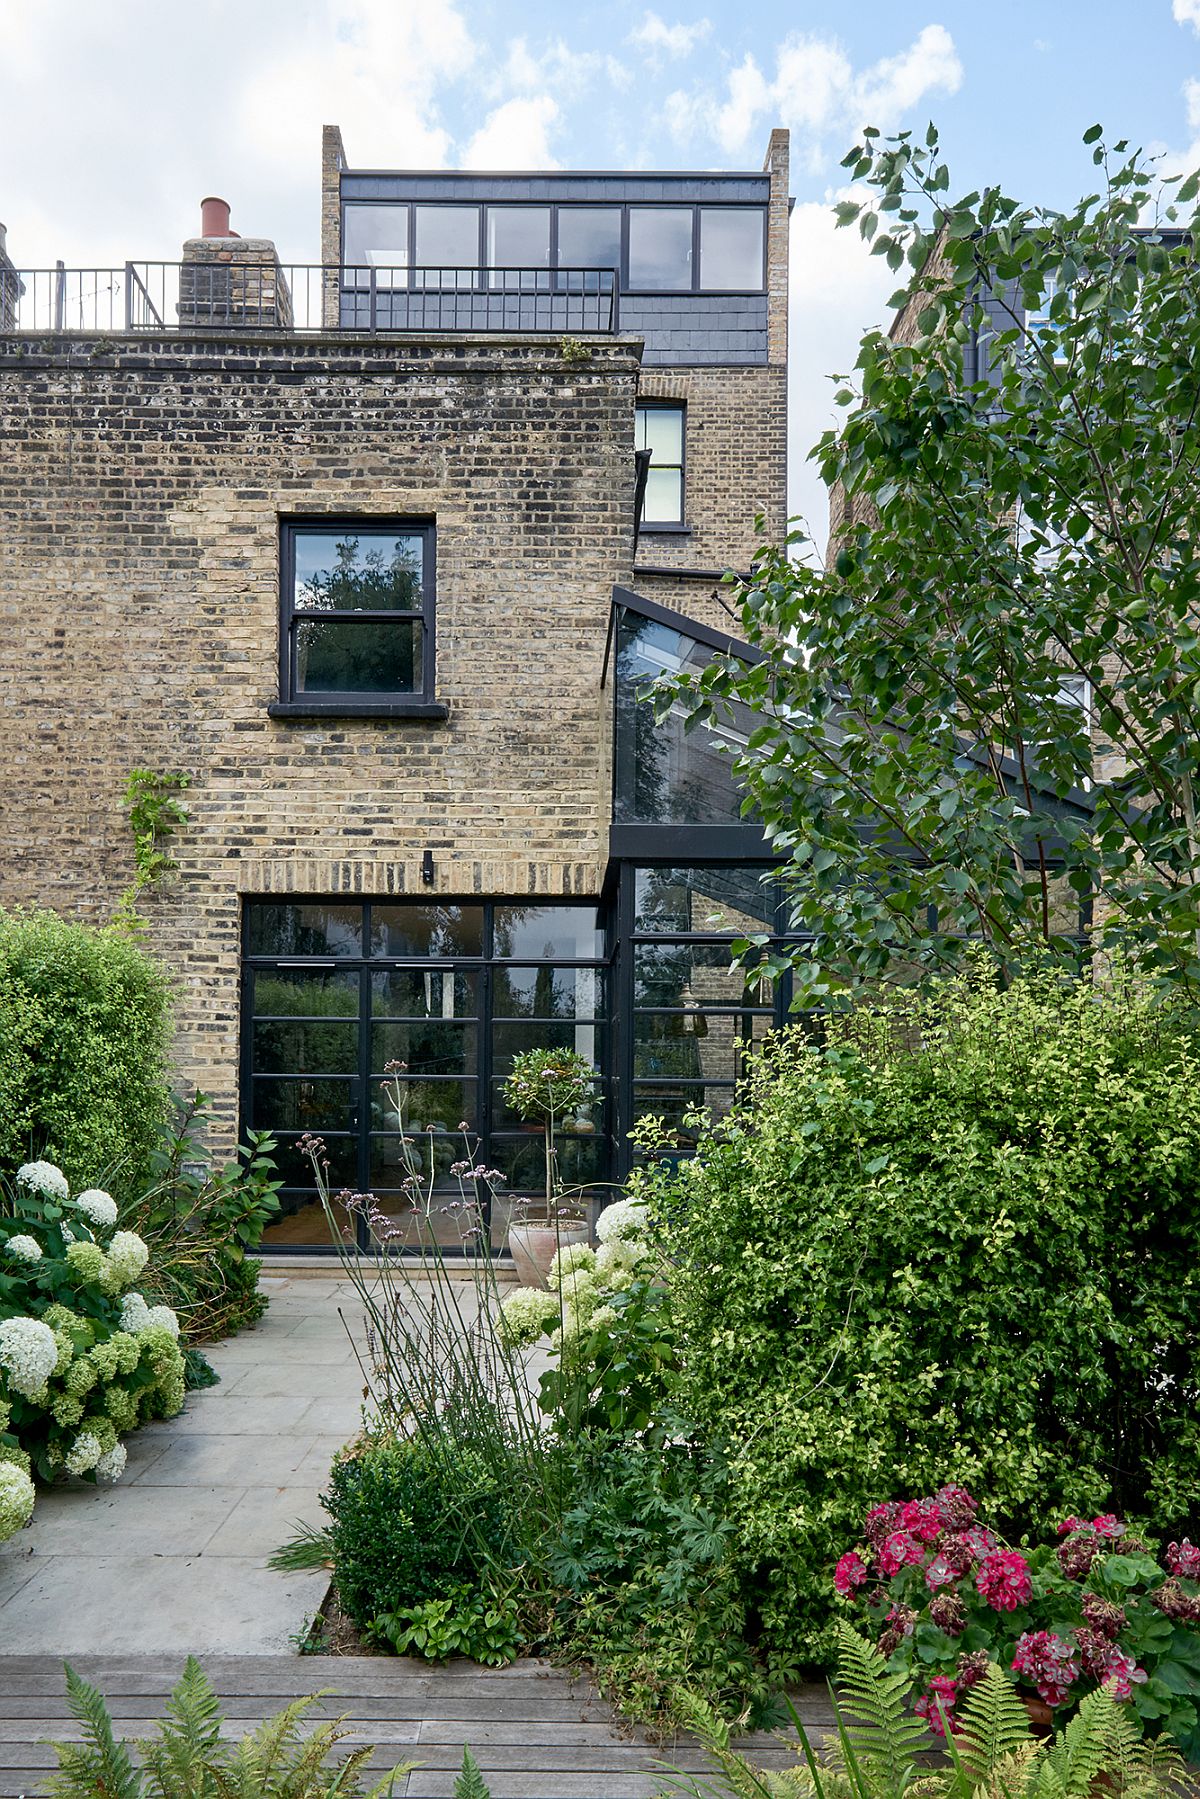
{"points": [[83, 1036], [960, 1242], [83, 1358], [406, 1524], [201, 1222]]}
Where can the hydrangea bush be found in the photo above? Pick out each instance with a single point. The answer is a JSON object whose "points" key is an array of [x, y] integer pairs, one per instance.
{"points": [[83, 1358], [1096, 1608]]}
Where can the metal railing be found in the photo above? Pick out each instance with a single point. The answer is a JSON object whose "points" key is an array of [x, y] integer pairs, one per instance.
{"points": [[223, 291]]}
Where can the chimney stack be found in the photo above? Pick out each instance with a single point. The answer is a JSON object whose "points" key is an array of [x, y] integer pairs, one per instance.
{"points": [[214, 218]]}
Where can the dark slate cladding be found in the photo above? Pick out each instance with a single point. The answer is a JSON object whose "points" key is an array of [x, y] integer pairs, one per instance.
{"points": [[567, 189], [697, 328]]}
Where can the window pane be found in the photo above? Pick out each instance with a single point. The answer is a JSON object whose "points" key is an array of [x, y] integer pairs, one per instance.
{"points": [[306, 1105], [375, 237], [548, 933], [731, 248], [690, 975], [586, 1119], [304, 930], [521, 1160], [337, 655], [291, 993], [660, 430], [424, 994], [393, 1160], [512, 1038], [547, 992], [696, 1045], [589, 237], [411, 931], [447, 238], [425, 1046], [732, 898], [296, 1170], [663, 503], [428, 1105], [358, 571], [304, 1048], [660, 247], [518, 237]]}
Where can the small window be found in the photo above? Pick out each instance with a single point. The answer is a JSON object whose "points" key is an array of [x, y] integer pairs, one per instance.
{"points": [[357, 615], [446, 250], [659, 429], [376, 237], [731, 249], [660, 248]]}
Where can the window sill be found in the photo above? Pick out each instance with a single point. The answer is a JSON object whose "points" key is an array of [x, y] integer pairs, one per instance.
{"points": [[418, 709], [664, 530]]}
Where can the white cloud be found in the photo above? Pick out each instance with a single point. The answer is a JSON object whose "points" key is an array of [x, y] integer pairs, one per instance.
{"points": [[565, 71], [816, 90], [1187, 12], [515, 136], [675, 40]]}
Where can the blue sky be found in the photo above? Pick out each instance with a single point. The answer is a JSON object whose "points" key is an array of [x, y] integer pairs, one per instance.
{"points": [[120, 114]]}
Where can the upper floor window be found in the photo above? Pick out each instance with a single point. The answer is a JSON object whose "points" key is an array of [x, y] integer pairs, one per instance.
{"points": [[357, 612], [731, 248], [446, 247], [660, 247], [659, 429]]}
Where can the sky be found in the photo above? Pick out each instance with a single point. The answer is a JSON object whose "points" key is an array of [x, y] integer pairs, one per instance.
{"points": [[119, 115]]}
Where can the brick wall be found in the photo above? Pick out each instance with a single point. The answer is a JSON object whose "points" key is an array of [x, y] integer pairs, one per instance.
{"points": [[140, 491]]}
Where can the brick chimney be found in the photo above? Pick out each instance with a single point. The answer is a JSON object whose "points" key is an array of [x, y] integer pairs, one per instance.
{"points": [[230, 280]]}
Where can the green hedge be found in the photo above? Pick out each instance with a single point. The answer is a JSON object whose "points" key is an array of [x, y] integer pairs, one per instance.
{"points": [[84, 1019], [975, 1261]]}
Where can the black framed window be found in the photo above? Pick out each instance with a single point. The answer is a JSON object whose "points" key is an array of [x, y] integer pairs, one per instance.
{"points": [[357, 613], [334, 991], [731, 248], [445, 246], [659, 427], [660, 248]]}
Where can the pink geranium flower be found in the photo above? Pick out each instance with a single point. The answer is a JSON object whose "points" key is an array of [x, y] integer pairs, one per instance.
{"points": [[1049, 1661], [943, 1688], [1108, 1525], [850, 1574], [899, 1550], [923, 1518], [1183, 1559], [1004, 1580]]}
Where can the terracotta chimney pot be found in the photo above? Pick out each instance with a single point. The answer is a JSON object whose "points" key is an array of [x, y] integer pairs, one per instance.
{"points": [[214, 218]]}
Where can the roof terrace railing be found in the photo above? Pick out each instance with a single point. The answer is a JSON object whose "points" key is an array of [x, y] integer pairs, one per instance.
{"points": [[223, 291]]}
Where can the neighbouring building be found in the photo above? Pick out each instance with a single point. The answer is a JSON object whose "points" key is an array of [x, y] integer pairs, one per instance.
{"points": [[381, 552]]}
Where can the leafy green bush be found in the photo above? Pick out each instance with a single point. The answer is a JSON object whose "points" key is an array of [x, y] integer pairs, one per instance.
{"points": [[482, 1626], [961, 1242], [406, 1524], [83, 1038], [201, 1222]]}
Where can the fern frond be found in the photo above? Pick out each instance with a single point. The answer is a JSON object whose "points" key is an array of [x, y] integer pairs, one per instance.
{"points": [[99, 1763], [993, 1725], [1080, 1752], [384, 1788], [179, 1762], [883, 1739], [469, 1783]]}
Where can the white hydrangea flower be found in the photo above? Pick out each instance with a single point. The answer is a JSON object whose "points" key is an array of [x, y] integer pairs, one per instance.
{"points": [[623, 1221], [99, 1207], [134, 1313], [16, 1499], [525, 1314], [28, 1354], [25, 1249], [127, 1256], [43, 1178], [620, 1256], [571, 1259], [84, 1453], [111, 1465], [163, 1317]]}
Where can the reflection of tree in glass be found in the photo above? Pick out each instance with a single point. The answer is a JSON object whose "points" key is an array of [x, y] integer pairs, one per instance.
{"points": [[344, 655]]}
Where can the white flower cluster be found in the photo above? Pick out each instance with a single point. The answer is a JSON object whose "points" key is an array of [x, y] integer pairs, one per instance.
{"points": [[83, 1454], [127, 1256], [582, 1281], [98, 1207], [111, 1465], [624, 1221], [526, 1314], [43, 1178], [16, 1499], [137, 1316], [25, 1249], [28, 1354]]}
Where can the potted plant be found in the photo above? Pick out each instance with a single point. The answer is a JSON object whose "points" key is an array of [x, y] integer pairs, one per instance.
{"points": [[546, 1087]]}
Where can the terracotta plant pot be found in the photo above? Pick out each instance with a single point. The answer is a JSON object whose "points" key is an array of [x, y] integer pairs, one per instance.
{"points": [[534, 1243], [1041, 1716]]}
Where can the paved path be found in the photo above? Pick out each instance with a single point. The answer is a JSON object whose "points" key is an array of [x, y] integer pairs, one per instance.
{"points": [[534, 1734], [173, 1558]]}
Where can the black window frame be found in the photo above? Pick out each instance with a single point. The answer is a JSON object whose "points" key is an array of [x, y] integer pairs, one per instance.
{"points": [[649, 528], [421, 701]]}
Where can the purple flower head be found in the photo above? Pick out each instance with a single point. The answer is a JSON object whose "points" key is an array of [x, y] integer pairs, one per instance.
{"points": [[1183, 1559], [949, 1613], [956, 1506], [1103, 1616], [1049, 1661]]}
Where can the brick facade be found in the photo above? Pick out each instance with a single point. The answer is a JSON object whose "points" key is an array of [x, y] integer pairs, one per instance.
{"points": [[140, 504]]}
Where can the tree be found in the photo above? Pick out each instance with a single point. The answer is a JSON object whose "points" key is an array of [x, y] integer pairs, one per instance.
{"points": [[982, 719]]}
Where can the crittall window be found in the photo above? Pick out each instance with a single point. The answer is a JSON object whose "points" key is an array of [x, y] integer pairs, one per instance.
{"points": [[357, 617], [659, 429]]}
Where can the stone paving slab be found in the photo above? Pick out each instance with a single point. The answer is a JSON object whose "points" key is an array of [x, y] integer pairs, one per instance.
{"points": [[174, 1557]]}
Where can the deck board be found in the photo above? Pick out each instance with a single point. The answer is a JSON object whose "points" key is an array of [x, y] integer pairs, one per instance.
{"points": [[535, 1732]]}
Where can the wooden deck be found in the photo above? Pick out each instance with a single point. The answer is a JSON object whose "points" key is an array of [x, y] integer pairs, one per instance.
{"points": [[534, 1732]]}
